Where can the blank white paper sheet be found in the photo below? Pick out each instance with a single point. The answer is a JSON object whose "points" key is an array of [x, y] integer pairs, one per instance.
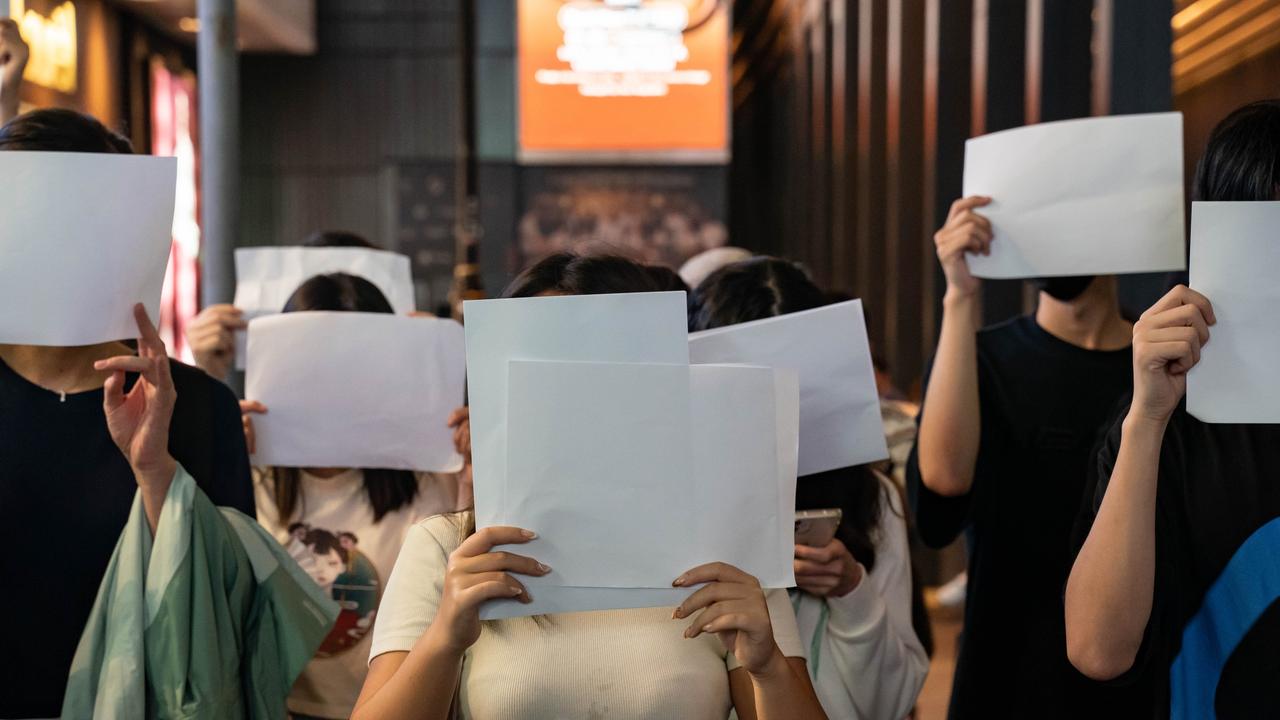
{"points": [[364, 390], [635, 327], [840, 422], [83, 238], [1095, 196], [1235, 250], [267, 276]]}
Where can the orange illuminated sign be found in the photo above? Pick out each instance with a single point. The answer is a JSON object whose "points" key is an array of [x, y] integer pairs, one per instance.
{"points": [[615, 80]]}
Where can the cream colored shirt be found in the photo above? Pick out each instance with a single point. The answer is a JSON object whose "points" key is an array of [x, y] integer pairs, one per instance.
{"points": [[596, 665], [340, 546]]}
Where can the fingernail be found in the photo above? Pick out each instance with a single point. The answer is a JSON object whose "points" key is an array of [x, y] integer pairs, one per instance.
{"points": [[98, 364], [544, 568], [706, 628], [529, 534], [515, 591], [678, 581], [675, 613], [688, 632]]}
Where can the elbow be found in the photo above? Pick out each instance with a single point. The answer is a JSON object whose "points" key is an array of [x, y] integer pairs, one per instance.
{"points": [[946, 483], [1096, 658]]}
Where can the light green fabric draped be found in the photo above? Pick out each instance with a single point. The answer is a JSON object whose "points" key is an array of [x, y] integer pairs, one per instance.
{"points": [[210, 619]]}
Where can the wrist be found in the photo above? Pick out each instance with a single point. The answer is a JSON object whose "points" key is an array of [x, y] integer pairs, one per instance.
{"points": [[156, 475], [773, 668], [1142, 423], [440, 642]]}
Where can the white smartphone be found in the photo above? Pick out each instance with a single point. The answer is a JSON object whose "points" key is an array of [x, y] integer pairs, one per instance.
{"points": [[816, 528]]}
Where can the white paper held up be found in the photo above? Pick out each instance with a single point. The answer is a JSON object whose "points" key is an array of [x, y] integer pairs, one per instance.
{"points": [[364, 390], [1095, 196], [84, 237], [1235, 249], [634, 327], [267, 276], [840, 423], [610, 516]]}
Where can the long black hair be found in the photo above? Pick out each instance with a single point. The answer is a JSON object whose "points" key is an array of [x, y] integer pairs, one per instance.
{"points": [[58, 130], [387, 490], [1242, 159], [765, 287]]}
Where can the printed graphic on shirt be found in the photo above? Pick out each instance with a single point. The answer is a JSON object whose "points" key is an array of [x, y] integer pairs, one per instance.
{"points": [[334, 562]]}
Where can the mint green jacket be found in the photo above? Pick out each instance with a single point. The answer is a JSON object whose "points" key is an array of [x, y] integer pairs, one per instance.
{"points": [[208, 619]]}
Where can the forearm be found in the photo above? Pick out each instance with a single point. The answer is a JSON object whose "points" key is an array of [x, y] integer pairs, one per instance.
{"points": [[949, 426], [8, 106], [422, 687], [1109, 592], [782, 692]]}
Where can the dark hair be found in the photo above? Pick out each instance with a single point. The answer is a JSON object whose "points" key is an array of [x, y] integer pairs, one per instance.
{"points": [[570, 274], [765, 287], [58, 130], [754, 289], [667, 279], [338, 292], [1242, 158], [388, 490], [337, 238], [322, 542]]}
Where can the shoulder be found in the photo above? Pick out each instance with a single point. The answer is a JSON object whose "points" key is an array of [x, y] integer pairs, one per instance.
{"points": [[192, 384], [442, 533], [1006, 330]]}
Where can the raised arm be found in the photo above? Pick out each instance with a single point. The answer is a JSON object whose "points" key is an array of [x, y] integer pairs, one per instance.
{"points": [[948, 443], [1109, 592], [139, 420]]}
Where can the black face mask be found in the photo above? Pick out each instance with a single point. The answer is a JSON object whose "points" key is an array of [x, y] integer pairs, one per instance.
{"points": [[1065, 289]]}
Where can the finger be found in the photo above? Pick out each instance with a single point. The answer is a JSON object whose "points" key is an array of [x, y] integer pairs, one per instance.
{"points": [[708, 595], [126, 363], [503, 561], [715, 572], [485, 539], [1182, 316], [706, 620], [147, 333], [1182, 295], [458, 416], [973, 228], [113, 390], [250, 439], [820, 555], [253, 406], [1180, 356], [493, 590], [818, 584], [808, 567], [967, 203], [980, 221]]}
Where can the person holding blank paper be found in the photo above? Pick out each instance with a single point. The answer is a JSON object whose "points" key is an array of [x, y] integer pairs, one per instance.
{"points": [[853, 600], [344, 526], [1176, 582], [1009, 417], [67, 489], [212, 333], [729, 645]]}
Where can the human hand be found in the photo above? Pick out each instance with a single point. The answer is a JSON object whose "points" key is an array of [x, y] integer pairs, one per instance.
{"points": [[733, 606], [1166, 344], [212, 335], [827, 571], [476, 574], [965, 231]]}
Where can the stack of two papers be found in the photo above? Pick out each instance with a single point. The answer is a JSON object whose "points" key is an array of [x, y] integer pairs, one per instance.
{"points": [[590, 427]]}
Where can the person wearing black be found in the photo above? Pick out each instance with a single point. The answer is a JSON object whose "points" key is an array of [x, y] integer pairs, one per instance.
{"points": [[1009, 417], [65, 488], [1176, 582]]}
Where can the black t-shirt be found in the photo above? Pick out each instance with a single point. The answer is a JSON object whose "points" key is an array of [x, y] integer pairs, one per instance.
{"points": [[1211, 644], [1044, 406], [65, 494]]}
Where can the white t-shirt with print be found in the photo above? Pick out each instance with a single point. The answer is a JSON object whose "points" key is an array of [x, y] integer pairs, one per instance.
{"points": [[336, 541], [610, 663]]}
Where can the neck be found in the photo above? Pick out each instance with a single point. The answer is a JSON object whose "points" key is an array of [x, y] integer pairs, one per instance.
{"points": [[61, 369], [326, 473], [1091, 321]]}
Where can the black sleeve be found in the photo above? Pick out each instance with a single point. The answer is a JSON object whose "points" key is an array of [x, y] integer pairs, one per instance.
{"points": [[207, 437], [1153, 656], [938, 518], [234, 487]]}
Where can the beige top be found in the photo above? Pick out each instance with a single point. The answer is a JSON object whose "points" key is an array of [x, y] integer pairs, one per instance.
{"points": [[606, 664]]}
